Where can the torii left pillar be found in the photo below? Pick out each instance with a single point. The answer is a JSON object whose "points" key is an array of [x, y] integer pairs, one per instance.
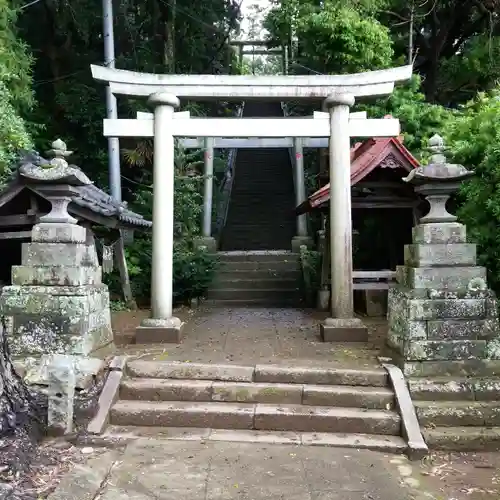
{"points": [[341, 326], [162, 326]]}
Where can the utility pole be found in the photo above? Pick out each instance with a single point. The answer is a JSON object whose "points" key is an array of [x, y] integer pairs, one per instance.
{"points": [[115, 184], [115, 180]]}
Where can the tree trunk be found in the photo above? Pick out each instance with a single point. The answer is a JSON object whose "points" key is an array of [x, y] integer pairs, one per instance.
{"points": [[169, 48], [20, 414]]}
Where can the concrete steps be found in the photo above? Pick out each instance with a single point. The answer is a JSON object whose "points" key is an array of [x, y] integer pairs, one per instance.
{"points": [[259, 417], [261, 210], [250, 392], [257, 278], [316, 405], [279, 266], [277, 283], [259, 295], [260, 275], [458, 413]]}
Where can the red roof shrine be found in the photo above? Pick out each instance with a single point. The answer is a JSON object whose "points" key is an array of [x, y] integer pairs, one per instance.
{"points": [[365, 157]]}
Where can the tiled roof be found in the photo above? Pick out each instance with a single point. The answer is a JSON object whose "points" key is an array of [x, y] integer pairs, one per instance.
{"points": [[365, 157], [96, 200], [85, 193]]}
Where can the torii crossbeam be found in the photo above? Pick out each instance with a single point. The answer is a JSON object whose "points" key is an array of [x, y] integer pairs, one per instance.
{"points": [[338, 128]]}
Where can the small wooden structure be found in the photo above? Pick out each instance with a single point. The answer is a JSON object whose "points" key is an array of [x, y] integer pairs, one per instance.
{"points": [[384, 210], [23, 201]]}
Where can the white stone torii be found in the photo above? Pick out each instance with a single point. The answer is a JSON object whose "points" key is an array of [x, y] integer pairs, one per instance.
{"points": [[244, 87], [165, 126], [257, 142]]}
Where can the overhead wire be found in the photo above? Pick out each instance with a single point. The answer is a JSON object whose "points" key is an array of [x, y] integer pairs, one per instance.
{"points": [[29, 4]]}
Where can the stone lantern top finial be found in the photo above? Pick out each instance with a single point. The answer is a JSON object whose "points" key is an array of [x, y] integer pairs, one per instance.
{"points": [[59, 153], [55, 170], [438, 149], [438, 170], [437, 181]]}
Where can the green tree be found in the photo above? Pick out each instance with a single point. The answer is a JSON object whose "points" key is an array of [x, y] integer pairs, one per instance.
{"points": [[158, 36], [332, 36], [453, 43], [474, 137], [342, 40], [419, 119], [16, 97]]}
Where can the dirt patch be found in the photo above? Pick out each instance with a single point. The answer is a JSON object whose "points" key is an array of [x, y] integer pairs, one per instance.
{"points": [[124, 324], [30, 467], [48, 463], [463, 476]]}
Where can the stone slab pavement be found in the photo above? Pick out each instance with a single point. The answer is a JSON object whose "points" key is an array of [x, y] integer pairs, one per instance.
{"points": [[251, 336], [155, 469]]}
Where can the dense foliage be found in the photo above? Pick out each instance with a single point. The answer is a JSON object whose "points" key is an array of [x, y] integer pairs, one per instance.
{"points": [[16, 97], [419, 119], [454, 46], [332, 39], [475, 136]]}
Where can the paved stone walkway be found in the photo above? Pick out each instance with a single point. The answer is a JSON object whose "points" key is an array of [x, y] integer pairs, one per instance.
{"points": [[176, 470], [258, 335], [156, 469]]}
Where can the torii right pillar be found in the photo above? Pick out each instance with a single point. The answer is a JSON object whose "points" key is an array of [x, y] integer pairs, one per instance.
{"points": [[341, 326]]}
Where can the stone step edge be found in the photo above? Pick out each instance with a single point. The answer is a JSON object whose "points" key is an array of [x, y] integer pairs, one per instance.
{"points": [[118, 436], [261, 281], [451, 389], [255, 416], [256, 290], [459, 405], [263, 274], [267, 302], [458, 413], [257, 253], [255, 392], [370, 377], [463, 438], [226, 407]]}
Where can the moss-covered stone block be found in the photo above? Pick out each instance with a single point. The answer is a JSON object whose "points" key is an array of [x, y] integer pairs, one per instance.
{"points": [[56, 275], [435, 350], [462, 329]]}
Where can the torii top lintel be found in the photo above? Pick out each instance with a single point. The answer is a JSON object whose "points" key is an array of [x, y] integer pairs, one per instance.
{"points": [[241, 87]]}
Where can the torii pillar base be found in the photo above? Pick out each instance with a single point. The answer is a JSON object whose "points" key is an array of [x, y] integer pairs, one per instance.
{"points": [[159, 331], [343, 330]]}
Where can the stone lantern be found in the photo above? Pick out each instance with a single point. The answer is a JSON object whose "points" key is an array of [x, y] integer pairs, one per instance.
{"points": [[442, 316], [437, 181], [57, 298]]}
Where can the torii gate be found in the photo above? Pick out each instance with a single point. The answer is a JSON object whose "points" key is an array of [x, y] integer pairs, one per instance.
{"points": [[339, 92]]}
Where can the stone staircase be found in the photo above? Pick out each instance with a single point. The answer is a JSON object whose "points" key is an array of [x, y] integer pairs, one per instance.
{"points": [[268, 279], [458, 413], [261, 210], [263, 403]]}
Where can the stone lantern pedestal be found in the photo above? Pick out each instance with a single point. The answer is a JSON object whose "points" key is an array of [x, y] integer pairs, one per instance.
{"points": [[443, 319], [57, 301]]}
